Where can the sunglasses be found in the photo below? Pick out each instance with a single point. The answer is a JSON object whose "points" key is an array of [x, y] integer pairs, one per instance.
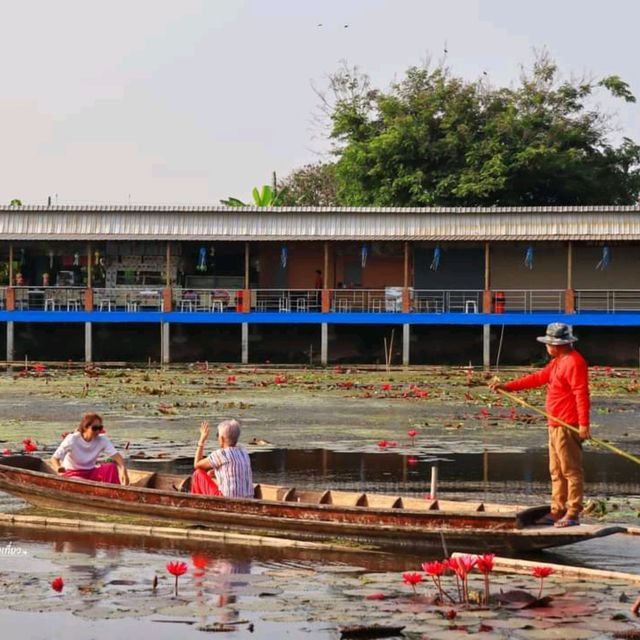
{"points": [[96, 427]]}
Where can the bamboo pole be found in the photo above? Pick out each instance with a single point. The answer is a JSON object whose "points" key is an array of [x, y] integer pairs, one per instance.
{"points": [[596, 441]]}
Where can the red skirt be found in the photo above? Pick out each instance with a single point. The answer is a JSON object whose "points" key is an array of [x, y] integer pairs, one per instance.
{"points": [[107, 472], [203, 484]]}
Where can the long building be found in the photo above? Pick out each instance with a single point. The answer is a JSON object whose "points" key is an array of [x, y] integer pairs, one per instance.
{"points": [[316, 284]]}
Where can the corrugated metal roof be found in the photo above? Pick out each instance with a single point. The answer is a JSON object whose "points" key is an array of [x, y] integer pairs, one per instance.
{"points": [[319, 223]]}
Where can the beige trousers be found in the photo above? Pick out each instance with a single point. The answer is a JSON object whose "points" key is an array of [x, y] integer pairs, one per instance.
{"points": [[565, 467]]}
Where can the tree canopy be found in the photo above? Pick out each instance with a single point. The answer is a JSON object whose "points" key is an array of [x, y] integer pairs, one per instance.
{"points": [[434, 139], [314, 185]]}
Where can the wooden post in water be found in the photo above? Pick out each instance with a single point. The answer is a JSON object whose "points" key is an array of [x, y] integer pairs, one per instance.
{"points": [[486, 308], [433, 493]]}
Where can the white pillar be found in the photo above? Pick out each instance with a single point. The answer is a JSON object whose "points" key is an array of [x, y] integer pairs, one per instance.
{"points": [[165, 354], [88, 342], [324, 344], [10, 352], [486, 346], [245, 343], [406, 344]]}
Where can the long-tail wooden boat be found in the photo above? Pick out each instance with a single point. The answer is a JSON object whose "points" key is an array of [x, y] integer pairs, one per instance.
{"points": [[382, 521]]}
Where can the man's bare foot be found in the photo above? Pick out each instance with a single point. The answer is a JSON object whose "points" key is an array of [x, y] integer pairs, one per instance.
{"points": [[635, 609]]}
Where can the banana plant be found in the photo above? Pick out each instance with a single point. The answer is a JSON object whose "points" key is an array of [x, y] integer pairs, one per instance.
{"points": [[267, 197]]}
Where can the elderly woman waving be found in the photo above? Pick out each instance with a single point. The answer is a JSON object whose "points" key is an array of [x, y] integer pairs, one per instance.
{"points": [[230, 463], [77, 454]]}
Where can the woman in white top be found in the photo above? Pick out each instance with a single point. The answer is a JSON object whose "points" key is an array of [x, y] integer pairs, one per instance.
{"points": [[230, 463], [77, 454]]}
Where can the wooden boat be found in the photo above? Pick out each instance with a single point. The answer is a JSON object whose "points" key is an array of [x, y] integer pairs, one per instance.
{"points": [[381, 521]]}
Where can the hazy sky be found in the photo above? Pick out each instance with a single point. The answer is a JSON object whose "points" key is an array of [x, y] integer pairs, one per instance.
{"points": [[188, 101]]}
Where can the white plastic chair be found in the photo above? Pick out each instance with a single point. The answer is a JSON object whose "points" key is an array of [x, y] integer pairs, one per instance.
{"points": [[470, 306]]}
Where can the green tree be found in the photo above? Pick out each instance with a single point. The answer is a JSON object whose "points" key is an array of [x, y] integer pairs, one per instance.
{"points": [[15, 203], [314, 185], [437, 139]]}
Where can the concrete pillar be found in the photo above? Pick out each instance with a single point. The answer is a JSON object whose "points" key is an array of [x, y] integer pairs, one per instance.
{"points": [[406, 345], [88, 342], [165, 354], [486, 345], [10, 351], [324, 344], [245, 343]]}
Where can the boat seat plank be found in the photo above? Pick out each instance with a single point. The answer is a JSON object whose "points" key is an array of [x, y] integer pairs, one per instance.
{"points": [[271, 492], [464, 507], [417, 504], [309, 496], [141, 478], [381, 502]]}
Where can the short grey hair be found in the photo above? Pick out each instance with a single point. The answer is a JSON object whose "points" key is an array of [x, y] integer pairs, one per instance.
{"points": [[229, 430]]}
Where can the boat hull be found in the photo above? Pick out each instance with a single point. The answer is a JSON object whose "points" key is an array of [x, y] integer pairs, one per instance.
{"points": [[385, 528]]}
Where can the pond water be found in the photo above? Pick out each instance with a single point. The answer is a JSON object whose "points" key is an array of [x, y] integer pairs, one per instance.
{"points": [[240, 591]]}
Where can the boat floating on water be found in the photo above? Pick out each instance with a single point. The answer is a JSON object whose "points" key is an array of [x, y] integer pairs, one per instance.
{"points": [[371, 519]]}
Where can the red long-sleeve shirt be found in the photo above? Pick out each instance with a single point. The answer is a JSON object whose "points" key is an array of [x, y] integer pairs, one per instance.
{"points": [[567, 383]]}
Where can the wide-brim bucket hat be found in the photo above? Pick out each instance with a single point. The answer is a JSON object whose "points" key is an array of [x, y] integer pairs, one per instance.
{"points": [[558, 333]]}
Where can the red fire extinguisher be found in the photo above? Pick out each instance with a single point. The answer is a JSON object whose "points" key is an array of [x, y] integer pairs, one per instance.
{"points": [[499, 301]]}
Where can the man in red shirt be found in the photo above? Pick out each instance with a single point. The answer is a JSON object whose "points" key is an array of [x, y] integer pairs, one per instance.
{"points": [[566, 377]]}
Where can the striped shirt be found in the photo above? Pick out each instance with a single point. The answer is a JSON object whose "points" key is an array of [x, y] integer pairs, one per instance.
{"points": [[233, 472]]}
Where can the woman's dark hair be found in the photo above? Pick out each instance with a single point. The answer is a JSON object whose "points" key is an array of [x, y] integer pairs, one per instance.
{"points": [[87, 421]]}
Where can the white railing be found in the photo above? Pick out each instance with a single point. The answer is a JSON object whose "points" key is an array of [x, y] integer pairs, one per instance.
{"points": [[607, 300], [127, 299], [286, 300], [447, 301], [528, 300], [207, 300], [49, 298]]}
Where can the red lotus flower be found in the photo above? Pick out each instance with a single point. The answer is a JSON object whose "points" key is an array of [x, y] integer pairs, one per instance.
{"points": [[412, 433], [392, 443], [542, 572], [412, 578], [231, 379], [412, 461], [57, 584], [436, 571], [434, 568], [484, 563], [461, 565], [484, 413], [376, 596], [39, 368], [386, 386], [6, 452], [177, 569], [279, 379], [383, 444], [29, 445], [421, 394]]}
